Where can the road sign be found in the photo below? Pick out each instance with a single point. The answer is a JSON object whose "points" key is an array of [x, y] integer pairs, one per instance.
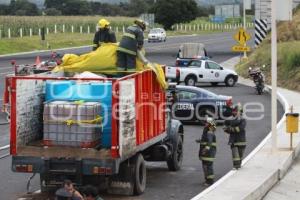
{"points": [[242, 36], [241, 48]]}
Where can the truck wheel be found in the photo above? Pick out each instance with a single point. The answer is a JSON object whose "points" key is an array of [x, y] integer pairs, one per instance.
{"points": [[139, 174], [175, 160], [229, 81], [190, 81]]}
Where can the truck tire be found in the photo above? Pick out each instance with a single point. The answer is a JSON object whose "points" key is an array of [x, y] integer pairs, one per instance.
{"points": [[230, 81], [139, 174], [190, 81], [175, 161]]}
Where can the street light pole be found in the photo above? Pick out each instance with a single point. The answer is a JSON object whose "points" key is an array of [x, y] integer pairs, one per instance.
{"points": [[274, 74], [244, 14]]}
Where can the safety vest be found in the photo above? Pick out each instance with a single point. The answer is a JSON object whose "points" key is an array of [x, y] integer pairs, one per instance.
{"points": [[132, 38]]}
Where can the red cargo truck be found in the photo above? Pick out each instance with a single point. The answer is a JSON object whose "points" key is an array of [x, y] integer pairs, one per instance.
{"points": [[120, 168]]}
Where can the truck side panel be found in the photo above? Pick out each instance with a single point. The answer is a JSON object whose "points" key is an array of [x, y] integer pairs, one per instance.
{"points": [[27, 106]]}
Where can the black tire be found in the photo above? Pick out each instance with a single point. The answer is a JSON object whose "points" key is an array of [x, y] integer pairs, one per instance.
{"points": [[190, 81], [214, 83], [203, 112], [259, 91], [230, 81], [175, 161], [140, 176]]}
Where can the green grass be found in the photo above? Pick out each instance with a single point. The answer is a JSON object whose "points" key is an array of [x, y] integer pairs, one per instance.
{"points": [[54, 41], [288, 63], [36, 22], [288, 55]]}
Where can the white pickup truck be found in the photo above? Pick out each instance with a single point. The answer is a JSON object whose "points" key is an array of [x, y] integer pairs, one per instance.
{"points": [[202, 71]]}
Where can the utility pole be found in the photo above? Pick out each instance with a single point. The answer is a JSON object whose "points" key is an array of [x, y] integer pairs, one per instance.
{"points": [[274, 74], [244, 15]]}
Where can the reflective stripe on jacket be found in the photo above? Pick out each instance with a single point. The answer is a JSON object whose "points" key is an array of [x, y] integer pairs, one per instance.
{"points": [[208, 142], [237, 132], [132, 40]]}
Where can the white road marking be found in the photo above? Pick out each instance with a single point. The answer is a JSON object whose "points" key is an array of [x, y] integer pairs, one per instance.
{"points": [[5, 73], [4, 147], [176, 45], [5, 68]]}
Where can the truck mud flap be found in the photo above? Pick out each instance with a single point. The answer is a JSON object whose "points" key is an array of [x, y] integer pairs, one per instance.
{"points": [[122, 184]]}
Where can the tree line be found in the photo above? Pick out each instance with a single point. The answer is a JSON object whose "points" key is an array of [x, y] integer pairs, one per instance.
{"points": [[167, 12]]}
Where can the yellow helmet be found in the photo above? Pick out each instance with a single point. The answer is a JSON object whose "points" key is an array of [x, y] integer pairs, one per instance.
{"points": [[103, 23], [211, 123], [140, 23]]}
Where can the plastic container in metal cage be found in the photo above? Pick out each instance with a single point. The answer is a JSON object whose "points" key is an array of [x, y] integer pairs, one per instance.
{"points": [[76, 124]]}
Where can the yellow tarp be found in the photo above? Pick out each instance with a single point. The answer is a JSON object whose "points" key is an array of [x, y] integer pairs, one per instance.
{"points": [[104, 60]]}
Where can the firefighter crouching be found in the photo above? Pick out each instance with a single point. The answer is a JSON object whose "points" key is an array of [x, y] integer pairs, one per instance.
{"points": [[131, 42], [235, 127], [104, 34], [208, 150]]}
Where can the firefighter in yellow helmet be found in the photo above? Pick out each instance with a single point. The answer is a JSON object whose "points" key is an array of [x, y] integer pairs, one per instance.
{"points": [[131, 42], [104, 34], [208, 149]]}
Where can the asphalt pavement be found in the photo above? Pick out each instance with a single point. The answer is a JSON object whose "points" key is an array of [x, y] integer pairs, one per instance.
{"points": [[162, 184]]}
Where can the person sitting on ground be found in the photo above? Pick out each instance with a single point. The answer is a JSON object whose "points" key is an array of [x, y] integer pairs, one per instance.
{"points": [[68, 192]]}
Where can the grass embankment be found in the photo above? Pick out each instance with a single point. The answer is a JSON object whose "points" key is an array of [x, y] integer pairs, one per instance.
{"points": [[67, 39], [288, 55], [63, 40], [53, 41]]}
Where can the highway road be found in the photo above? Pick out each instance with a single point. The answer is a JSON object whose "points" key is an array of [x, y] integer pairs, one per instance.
{"points": [[162, 184]]}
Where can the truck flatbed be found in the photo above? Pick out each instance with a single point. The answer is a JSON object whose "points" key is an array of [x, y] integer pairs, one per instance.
{"points": [[36, 149]]}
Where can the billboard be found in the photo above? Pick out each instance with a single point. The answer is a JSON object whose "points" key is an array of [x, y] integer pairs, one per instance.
{"points": [[228, 11]]}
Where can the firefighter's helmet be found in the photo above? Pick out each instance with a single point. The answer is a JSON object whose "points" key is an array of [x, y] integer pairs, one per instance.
{"points": [[103, 23], [211, 123], [141, 24]]}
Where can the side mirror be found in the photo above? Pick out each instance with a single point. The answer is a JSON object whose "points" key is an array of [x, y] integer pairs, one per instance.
{"points": [[221, 68]]}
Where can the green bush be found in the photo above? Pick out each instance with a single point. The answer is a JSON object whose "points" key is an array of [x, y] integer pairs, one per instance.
{"points": [[292, 60]]}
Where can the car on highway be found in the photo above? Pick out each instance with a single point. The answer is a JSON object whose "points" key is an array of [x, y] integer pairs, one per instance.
{"points": [[157, 35], [202, 71], [195, 104]]}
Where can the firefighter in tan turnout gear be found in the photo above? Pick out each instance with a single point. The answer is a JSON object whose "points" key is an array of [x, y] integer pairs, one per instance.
{"points": [[235, 127], [208, 149], [131, 42]]}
